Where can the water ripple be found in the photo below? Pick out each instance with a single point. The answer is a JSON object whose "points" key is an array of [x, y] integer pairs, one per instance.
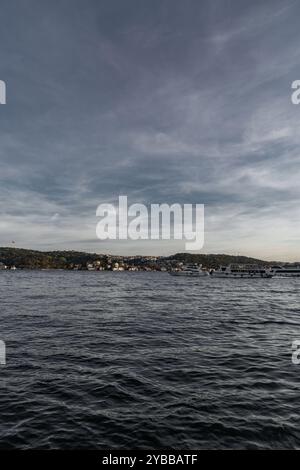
{"points": [[146, 360]]}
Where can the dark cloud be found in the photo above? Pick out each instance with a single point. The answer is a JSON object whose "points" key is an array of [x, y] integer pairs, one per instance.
{"points": [[162, 100]]}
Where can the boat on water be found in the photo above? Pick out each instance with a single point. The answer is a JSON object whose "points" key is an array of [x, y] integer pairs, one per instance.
{"points": [[286, 271], [190, 270], [242, 271]]}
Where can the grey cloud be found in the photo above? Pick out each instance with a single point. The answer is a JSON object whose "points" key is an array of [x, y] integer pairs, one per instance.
{"points": [[165, 101]]}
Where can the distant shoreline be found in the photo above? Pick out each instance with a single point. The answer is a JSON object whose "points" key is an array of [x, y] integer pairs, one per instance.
{"points": [[21, 258]]}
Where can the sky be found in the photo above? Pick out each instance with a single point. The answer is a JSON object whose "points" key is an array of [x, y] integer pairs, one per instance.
{"points": [[165, 101]]}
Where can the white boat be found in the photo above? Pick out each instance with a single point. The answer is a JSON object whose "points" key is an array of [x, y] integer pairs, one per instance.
{"points": [[90, 267], [190, 270], [243, 271], [286, 271]]}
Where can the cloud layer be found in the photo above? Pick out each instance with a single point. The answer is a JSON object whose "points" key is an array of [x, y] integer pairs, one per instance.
{"points": [[164, 101]]}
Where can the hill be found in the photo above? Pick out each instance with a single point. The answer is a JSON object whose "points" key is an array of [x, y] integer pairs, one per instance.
{"points": [[33, 259], [214, 260]]}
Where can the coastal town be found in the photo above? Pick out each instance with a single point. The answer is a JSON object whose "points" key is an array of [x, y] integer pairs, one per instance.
{"points": [[105, 263], [18, 259], [12, 258]]}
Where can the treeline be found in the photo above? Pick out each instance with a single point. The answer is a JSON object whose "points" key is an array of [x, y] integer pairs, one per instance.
{"points": [[33, 259], [214, 261]]}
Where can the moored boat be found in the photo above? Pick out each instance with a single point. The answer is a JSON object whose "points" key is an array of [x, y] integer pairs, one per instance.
{"points": [[190, 270], [286, 271], [242, 271]]}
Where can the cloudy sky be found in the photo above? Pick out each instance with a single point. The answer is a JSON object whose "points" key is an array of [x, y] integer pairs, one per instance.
{"points": [[161, 100]]}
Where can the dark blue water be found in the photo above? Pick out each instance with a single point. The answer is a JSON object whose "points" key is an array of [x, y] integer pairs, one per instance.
{"points": [[147, 360]]}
